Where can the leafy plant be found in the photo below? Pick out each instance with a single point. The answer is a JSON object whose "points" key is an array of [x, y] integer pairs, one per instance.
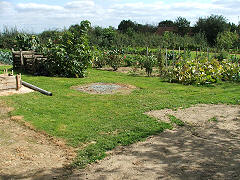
{"points": [[114, 58], [70, 55], [213, 119], [148, 63], [99, 59], [6, 57], [27, 42]]}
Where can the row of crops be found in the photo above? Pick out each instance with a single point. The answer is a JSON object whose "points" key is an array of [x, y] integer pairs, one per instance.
{"points": [[186, 67], [181, 66]]}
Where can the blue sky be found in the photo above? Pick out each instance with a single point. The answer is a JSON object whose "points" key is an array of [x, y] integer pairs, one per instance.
{"points": [[39, 15]]}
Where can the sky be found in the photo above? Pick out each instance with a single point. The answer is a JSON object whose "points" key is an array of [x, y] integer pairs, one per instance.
{"points": [[39, 15]]}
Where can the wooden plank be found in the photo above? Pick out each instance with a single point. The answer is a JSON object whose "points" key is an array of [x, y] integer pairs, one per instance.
{"points": [[23, 52], [8, 87]]}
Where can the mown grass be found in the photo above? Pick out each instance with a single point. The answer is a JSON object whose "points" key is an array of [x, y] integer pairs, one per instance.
{"points": [[102, 122]]}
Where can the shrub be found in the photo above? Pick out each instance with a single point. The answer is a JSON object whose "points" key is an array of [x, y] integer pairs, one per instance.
{"points": [[99, 60], [203, 71], [70, 55], [195, 71], [27, 42], [114, 58]]}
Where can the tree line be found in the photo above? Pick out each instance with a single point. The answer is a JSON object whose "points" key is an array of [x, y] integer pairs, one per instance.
{"points": [[211, 31]]}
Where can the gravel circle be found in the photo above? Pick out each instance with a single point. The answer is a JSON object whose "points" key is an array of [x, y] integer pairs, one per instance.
{"points": [[105, 88]]}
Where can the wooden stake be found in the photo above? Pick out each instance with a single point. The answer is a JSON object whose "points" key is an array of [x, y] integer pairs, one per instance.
{"points": [[208, 53], [166, 58], [21, 57], [18, 82]]}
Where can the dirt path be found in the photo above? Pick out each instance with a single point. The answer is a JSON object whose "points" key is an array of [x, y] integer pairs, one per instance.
{"points": [[27, 154], [202, 149], [207, 147]]}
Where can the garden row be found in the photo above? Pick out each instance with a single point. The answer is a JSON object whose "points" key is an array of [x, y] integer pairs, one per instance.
{"points": [[174, 66]]}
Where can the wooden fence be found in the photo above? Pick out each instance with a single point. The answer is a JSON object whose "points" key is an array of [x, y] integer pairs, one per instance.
{"points": [[27, 61], [9, 81]]}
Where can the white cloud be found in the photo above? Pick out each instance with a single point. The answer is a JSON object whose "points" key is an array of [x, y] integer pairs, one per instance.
{"points": [[37, 17], [37, 7]]}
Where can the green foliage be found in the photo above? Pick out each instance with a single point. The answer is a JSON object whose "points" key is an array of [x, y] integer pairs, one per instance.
{"points": [[166, 23], [27, 42], [114, 58], [103, 38], [231, 70], [5, 56], [70, 54], [227, 40], [183, 25], [99, 59], [8, 37], [203, 71], [222, 55], [211, 26], [148, 63], [213, 119]]}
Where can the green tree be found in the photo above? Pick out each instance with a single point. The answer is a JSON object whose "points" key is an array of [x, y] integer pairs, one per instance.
{"points": [[125, 25], [227, 39], [166, 23], [183, 25], [211, 26]]}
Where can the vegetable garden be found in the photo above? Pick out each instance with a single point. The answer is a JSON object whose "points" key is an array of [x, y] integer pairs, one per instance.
{"points": [[100, 122]]}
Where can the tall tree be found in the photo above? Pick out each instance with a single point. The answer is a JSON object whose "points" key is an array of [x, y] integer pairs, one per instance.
{"points": [[125, 25], [166, 23], [211, 26], [183, 25]]}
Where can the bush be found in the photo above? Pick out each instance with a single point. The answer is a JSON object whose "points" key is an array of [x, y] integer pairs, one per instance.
{"points": [[27, 42], [195, 71], [70, 55], [114, 58], [202, 71], [99, 59]]}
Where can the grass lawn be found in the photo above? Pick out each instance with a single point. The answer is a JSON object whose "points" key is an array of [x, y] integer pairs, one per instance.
{"points": [[102, 122]]}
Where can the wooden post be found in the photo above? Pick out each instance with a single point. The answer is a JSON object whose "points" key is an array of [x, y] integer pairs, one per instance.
{"points": [[197, 53], [166, 58], [173, 55], [208, 53], [18, 81], [147, 51], [21, 57], [184, 54]]}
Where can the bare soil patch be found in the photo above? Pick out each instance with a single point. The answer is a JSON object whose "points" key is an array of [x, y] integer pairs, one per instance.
{"points": [[105, 88], [28, 154], [22, 90], [202, 149]]}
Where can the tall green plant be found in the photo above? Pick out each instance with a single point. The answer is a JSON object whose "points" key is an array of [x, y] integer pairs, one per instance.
{"points": [[70, 55]]}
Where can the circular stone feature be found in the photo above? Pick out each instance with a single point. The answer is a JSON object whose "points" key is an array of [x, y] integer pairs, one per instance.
{"points": [[105, 88]]}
